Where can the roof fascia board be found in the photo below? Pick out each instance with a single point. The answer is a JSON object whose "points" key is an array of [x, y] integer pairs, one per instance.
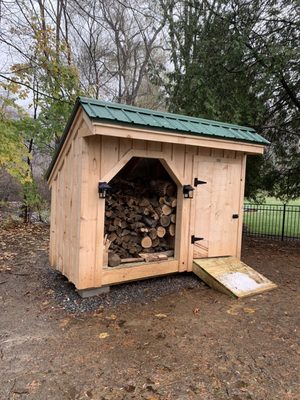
{"points": [[176, 138]]}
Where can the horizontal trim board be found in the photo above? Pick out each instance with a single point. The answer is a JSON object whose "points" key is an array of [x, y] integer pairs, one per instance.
{"points": [[158, 136], [136, 272]]}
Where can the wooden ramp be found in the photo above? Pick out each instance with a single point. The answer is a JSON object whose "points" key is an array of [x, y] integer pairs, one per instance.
{"points": [[231, 276]]}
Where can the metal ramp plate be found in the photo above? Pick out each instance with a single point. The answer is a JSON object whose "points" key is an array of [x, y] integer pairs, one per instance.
{"points": [[231, 276]]}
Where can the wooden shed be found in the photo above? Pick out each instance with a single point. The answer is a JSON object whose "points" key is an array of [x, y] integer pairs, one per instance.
{"points": [[116, 145]]}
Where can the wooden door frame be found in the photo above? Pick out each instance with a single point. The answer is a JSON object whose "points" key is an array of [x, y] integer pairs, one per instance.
{"points": [[144, 270]]}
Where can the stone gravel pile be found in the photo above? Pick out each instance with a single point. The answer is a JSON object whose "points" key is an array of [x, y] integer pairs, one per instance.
{"points": [[139, 292]]}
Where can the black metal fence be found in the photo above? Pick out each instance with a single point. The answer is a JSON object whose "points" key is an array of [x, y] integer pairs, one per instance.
{"points": [[272, 221]]}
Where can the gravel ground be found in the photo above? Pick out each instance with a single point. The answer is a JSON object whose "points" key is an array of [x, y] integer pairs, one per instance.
{"points": [[140, 292]]}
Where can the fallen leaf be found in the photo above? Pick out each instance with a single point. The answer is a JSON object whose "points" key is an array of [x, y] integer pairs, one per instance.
{"points": [[161, 315], [103, 335], [63, 322], [249, 310], [112, 317], [33, 386], [196, 311], [234, 309]]}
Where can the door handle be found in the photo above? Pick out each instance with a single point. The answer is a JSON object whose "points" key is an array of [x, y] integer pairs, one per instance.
{"points": [[195, 239]]}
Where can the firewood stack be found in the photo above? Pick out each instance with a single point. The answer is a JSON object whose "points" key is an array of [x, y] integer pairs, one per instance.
{"points": [[140, 218]]}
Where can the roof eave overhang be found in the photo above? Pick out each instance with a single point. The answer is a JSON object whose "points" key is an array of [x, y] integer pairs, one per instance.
{"points": [[131, 132]]}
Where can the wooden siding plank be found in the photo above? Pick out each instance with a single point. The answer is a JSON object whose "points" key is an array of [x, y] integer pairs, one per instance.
{"points": [[125, 146], [53, 225], [99, 205], [75, 209], [190, 153], [167, 149], [88, 214], [241, 203], [61, 221], [109, 153], [179, 158], [154, 146], [66, 210], [138, 144]]}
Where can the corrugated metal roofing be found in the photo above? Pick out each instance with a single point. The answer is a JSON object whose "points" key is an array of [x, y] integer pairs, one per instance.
{"points": [[113, 113], [123, 114]]}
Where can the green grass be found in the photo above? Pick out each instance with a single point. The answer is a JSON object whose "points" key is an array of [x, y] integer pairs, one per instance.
{"points": [[269, 220], [273, 200]]}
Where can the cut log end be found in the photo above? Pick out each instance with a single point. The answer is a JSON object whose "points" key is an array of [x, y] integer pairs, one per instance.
{"points": [[172, 230], [114, 259], [146, 242], [161, 231]]}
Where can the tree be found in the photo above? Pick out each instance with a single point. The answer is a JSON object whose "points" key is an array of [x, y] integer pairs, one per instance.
{"points": [[119, 42], [239, 62], [46, 78]]}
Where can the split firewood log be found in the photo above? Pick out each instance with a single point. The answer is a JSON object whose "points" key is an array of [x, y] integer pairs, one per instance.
{"points": [[161, 200], [165, 220], [152, 233], [171, 229], [131, 260], [155, 242], [146, 242], [173, 202], [144, 203], [149, 221], [113, 259], [161, 231], [166, 210], [112, 237]]}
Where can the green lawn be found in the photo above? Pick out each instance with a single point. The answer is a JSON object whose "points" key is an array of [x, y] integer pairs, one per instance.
{"points": [[267, 219], [273, 200]]}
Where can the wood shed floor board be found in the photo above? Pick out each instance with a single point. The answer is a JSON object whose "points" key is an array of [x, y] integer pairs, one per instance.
{"points": [[231, 276]]}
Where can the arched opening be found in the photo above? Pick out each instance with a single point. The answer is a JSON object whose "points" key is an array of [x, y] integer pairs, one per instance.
{"points": [[140, 213]]}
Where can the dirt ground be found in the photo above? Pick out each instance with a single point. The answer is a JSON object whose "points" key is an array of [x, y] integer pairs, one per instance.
{"points": [[193, 343]]}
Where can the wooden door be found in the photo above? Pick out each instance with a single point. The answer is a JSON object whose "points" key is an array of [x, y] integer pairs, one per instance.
{"points": [[217, 205]]}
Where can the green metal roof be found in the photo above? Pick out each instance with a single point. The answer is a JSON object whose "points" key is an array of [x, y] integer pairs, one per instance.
{"points": [[121, 114]]}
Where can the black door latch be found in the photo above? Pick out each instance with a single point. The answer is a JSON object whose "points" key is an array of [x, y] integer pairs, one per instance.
{"points": [[235, 216], [198, 182], [196, 239]]}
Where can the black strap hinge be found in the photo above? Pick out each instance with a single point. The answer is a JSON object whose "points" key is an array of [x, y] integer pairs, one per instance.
{"points": [[198, 182], [196, 239]]}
